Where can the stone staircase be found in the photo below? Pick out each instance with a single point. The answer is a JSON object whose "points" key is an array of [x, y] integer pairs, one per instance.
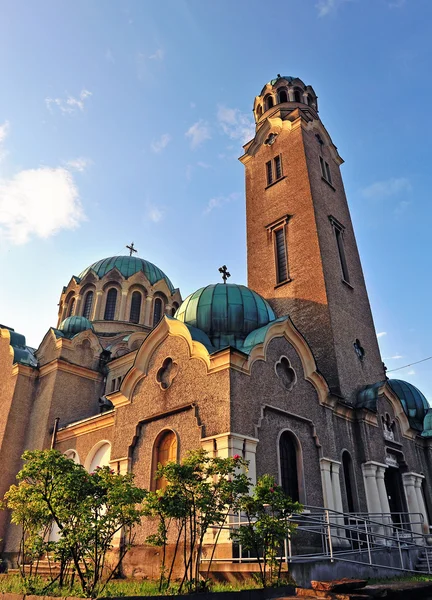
{"points": [[422, 561], [46, 569]]}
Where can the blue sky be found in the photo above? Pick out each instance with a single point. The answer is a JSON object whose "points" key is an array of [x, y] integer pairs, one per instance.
{"points": [[123, 121]]}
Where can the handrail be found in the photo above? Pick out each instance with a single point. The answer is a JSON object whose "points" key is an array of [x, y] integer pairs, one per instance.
{"points": [[343, 534]]}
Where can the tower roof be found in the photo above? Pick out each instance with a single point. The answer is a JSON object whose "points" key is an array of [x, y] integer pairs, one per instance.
{"points": [[227, 313], [413, 401], [73, 325], [128, 266]]}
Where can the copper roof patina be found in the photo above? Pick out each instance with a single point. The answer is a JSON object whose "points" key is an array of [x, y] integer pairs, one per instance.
{"points": [[226, 313], [128, 266]]}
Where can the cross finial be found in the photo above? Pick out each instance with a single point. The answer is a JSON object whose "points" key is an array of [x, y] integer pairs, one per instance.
{"points": [[225, 273], [131, 249]]}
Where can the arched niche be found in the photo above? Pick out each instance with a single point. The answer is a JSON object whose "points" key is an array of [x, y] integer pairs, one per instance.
{"points": [[165, 449], [99, 456], [290, 461]]}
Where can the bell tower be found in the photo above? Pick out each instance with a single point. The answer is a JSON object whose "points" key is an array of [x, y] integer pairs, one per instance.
{"points": [[301, 250]]}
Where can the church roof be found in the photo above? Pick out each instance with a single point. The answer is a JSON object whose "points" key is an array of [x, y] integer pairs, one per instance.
{"points": [[226, 313], [128, 266]]}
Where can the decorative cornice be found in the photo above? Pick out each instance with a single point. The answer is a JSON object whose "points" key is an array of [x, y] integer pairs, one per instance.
{"points": [[60, 365], [86, 426]]}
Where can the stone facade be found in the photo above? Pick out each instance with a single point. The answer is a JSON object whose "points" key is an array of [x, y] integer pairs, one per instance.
{"points": [[114, 386]]}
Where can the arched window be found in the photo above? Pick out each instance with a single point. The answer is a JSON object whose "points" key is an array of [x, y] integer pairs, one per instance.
{"points": [[349, 480], [110, 305], [157, 311], [71, 307], [135, 307], [259, 111], [310, 100], [88, 303], [98, 457], [288, 465], [283, 96], [165, 451], [297, 96], [269, 102]]}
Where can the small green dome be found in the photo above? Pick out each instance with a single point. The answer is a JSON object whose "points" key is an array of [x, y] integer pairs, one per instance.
{"points": [[128, 266], [287, 77], [413, 402], [227, 313], [73, 325]]}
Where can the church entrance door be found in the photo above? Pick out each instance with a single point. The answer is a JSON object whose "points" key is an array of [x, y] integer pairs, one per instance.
{"points": [[395, 494]]}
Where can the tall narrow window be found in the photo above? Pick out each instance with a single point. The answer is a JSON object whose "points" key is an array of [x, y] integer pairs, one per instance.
{"points": [[325, 170], [269, 102], [278, 167], [259, 111], [110, 305], [269, 171], [71, 307], [88, 303], [165, 451], [339, 234], [288, 466], [281, 255], [283, 96], [135, 309], [157, 311], [297, 96]]}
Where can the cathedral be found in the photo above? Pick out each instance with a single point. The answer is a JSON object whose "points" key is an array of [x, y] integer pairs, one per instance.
{"points": [[285, 372]]}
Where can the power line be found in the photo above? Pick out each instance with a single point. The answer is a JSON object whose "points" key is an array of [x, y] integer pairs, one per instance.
{"points": [[410, 365]]}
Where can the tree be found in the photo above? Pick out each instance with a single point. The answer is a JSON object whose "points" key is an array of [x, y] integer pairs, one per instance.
{"points": [[266, 526], [199, 494], [89, 510]]}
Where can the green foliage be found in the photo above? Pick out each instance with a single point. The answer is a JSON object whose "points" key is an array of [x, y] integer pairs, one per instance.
{"points": [[89, 510], [265, 526], [199, 494]]}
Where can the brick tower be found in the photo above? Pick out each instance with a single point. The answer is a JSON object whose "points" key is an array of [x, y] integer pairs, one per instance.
{"points": [[301, 249]]}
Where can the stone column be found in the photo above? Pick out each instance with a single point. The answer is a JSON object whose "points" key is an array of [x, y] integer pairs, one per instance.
{"points": [[409, 482], [123, 306], [148, 311], [168, 310], [372, 494], [421, 503], [290, 94], [383, 496], [333, 496], [77, 307], [97, 306]]}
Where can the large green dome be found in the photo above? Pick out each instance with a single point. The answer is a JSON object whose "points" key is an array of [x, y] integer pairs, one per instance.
{"points": [[227, 313], [128, 265], [413, 401]]}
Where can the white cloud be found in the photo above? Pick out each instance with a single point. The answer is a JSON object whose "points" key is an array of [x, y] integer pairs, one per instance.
{"points": [[203, 165], [381, 334], [326, 7], [158, 145], [4, 130], [69, 105], [38, 203], [154, 213], [158, 55], [396, 357], [78, 164], [401, 207], [411, 372], [389, 187], [198, 133], [235, 124], [219, 201]]}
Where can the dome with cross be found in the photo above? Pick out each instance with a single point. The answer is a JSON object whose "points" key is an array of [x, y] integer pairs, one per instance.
{"points": [[226, 312]]}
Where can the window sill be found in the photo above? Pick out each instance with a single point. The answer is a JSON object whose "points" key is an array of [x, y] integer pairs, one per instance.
{"points": [[328, 183], [283, 283], [347, 283], [275, 182]]}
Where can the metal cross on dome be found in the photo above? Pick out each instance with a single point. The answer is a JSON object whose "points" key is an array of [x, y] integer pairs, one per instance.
{"points": [[225, 273], [131, 249]]}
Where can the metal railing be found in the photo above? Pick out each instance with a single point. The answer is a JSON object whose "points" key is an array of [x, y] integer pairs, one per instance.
{"points": [[324, 534]]}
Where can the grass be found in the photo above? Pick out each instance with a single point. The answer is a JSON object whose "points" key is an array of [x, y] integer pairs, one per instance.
{"points": [[14, 584], [402, 579]]}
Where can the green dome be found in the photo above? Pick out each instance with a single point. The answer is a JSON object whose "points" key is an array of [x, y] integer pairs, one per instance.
{"points": [[73, 325], [413, 402], [227, 313], [128, 265], [287, 77]]}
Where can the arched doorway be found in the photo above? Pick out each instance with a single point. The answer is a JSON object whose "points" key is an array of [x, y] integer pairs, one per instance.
{"points": [[288, 456]]}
